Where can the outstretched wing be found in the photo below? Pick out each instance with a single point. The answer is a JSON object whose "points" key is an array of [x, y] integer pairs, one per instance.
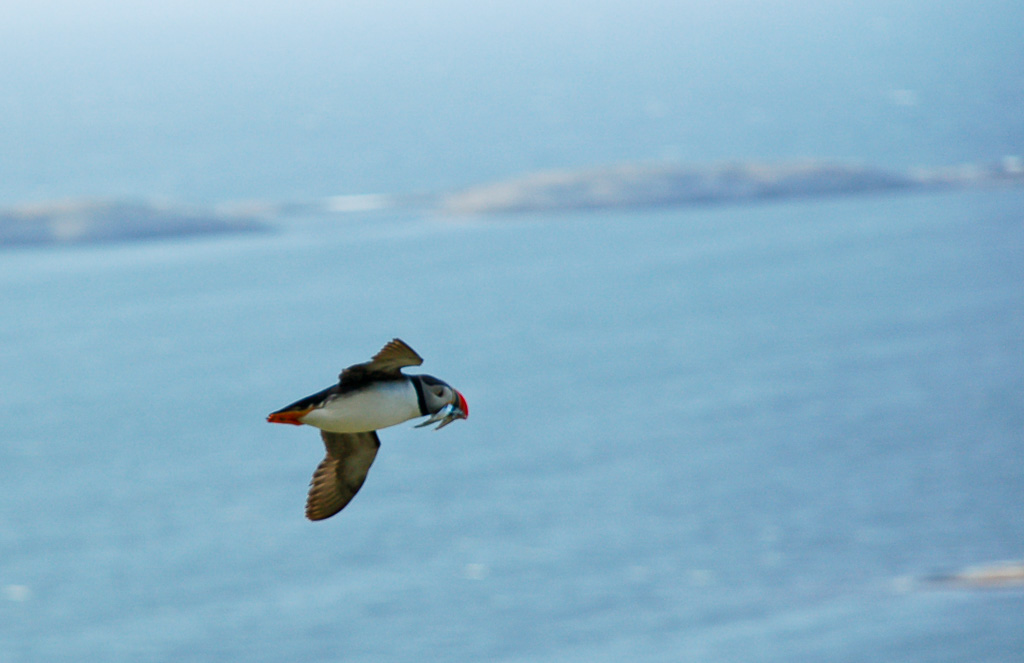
{"points": [[385, 365], [341, 473]]}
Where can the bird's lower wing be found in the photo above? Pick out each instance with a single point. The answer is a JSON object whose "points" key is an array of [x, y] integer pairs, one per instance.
{"points": [[341, 473]]}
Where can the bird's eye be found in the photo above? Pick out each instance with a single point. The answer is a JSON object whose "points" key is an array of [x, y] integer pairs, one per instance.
{"points": [[439, 392]]}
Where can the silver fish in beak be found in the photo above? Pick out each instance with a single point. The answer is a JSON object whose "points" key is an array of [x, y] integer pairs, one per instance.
{"points": [[448, 414]]}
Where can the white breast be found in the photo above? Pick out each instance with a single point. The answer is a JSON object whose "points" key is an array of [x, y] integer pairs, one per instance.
{"points": [[382, 405]]}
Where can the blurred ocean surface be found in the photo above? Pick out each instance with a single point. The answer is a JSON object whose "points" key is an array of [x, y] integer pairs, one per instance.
{"points": [[725, 434], [718, 434]]}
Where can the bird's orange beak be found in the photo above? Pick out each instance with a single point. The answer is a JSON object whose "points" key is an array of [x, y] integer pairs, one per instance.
{"points": [[463, 405], [288, 416]]}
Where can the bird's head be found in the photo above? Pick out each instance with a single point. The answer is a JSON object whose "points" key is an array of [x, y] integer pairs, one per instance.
{"points": [[442, 401]]}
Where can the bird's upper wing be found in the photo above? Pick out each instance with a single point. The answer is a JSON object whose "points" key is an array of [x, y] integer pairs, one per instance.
{"points": [[341, 473], [387, 363]]}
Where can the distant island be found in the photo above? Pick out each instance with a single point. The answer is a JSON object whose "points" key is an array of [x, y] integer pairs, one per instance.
{"points": [[648, 185], [990, 576], [78, 221], [623, 186]]}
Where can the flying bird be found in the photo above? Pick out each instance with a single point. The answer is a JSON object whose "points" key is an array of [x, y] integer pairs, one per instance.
{"points": [[368, 396]]}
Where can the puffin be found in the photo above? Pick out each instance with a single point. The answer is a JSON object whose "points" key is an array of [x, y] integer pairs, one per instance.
{"points": [[369, 396]]}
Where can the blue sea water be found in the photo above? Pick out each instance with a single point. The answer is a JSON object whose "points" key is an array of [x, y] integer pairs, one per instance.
{"points": [[717, 434], [723, 434]]}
